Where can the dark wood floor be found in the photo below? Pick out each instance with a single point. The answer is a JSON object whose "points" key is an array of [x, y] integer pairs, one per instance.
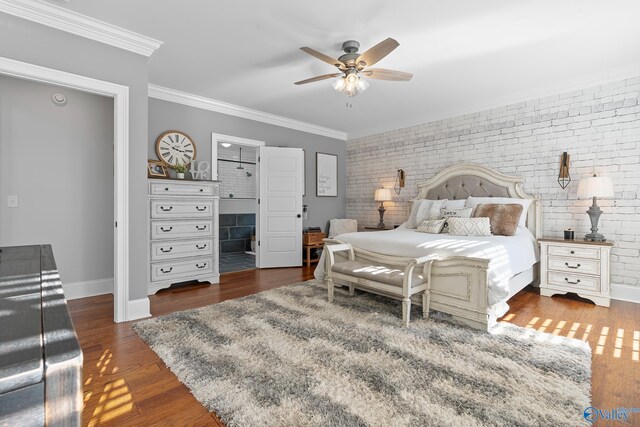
{"points": [[127, 384]]}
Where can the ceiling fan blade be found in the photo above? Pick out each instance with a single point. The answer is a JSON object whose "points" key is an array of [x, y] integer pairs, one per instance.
{"points": [[318, 78], [382, 74], [378, 52], [322, 57]]}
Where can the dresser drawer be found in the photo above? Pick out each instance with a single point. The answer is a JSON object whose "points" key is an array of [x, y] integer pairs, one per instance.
{"points": [[171, 270], [181, 209], [574, 281], [174, 189], [181, 229], [572, 251], [170, 249], [574, 265]]}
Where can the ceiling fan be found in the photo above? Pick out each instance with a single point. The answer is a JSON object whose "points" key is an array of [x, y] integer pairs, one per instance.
{"points": [[353, 66]]}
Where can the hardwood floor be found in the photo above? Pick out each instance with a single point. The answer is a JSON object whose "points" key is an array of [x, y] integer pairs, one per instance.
{"points": [[127, 384]]}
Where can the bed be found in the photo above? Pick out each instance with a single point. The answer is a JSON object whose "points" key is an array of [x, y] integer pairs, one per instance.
{"points": [[475, 275]]}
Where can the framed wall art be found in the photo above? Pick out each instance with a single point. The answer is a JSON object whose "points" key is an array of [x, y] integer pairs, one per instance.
{"points": [[326, 175]]}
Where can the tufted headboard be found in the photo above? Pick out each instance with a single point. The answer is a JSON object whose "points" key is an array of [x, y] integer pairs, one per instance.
{"points": [[462, 181]]}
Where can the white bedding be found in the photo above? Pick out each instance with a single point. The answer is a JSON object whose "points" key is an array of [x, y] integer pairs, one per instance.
{"points": [[508, 255]]}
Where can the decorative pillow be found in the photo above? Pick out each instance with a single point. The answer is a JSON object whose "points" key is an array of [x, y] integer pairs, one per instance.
{"points": [[469, 226], [472, 202], [424, 209], [454, 213], [432, 226], [503, 218], [455, 204]]}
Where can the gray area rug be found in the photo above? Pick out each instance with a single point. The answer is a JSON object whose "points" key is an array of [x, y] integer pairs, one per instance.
{"points": [[286, 357]]}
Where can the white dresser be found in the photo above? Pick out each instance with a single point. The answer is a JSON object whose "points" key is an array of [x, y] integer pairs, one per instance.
{"points": [[183, 232], [576, 266]]}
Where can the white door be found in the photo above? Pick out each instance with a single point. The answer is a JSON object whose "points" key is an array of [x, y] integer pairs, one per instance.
{"points": [[279, 228]]}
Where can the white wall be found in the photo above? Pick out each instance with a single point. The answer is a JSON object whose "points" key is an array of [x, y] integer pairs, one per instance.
{"points": [[59, 162], [599, 127]]}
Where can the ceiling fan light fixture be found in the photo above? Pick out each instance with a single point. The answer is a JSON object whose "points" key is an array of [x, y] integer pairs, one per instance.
{"points": [[339, 84]]}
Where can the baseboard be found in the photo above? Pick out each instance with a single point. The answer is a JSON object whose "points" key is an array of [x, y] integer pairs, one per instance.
{"points": [[89, 288], [138, 309], [625, 293]]}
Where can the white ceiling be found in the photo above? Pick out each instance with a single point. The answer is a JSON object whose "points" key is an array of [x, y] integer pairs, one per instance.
{"points": [[465, 55]]}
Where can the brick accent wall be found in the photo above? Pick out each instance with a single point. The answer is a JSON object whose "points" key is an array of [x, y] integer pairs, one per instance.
{"points": [[599, 127]]}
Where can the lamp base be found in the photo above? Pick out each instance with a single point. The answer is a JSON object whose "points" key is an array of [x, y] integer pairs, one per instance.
{"points": [[381, 210], [594, 237], [594, 213]]}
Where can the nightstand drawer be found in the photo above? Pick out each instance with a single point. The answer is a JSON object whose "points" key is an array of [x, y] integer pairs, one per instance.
{"points": [[574, 265], [574, 281], [572, 251]]}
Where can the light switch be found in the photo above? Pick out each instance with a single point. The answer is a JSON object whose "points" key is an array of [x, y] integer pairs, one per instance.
{"points": [[12, 201]]}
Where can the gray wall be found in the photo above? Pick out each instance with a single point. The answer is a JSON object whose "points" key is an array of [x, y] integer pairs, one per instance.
{"points": [[59, 162], [200, 124], [37, 44]]}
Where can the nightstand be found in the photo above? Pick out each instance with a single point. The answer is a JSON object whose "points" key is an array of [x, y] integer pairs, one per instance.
{"points": [[575, 266]]}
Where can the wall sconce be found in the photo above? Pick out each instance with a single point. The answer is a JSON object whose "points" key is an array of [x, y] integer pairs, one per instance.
{"points": [[564, 178], [399, 185]]}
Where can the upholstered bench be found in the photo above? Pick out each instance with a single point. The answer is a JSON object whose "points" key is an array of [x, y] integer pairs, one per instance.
{"points": [[396, 277]]}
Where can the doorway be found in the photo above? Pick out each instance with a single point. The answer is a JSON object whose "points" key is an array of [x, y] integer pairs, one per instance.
{"points": [[234, 164], [120, 94]]}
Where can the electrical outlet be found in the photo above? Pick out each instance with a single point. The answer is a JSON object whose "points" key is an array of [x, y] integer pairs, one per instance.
{"points": [[12, 201]]}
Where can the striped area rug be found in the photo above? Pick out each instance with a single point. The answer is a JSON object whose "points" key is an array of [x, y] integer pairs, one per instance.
{"points": [[286, 357]]}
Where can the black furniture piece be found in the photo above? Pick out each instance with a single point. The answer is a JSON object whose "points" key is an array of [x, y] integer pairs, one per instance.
{"points": [[40, 357]]}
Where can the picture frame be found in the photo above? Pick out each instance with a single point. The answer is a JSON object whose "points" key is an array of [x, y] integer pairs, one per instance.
{"points": [[326, 175], [157, 169]]}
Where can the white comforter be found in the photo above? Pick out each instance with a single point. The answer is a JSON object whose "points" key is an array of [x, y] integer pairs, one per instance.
{"points": [[508, 255]]}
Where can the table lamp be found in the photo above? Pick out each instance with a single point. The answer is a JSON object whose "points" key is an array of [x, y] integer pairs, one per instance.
{"points": [[382, 195], [595, 187]]}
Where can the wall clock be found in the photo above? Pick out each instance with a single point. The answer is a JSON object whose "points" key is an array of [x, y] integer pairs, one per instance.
{"points": [[175, 148]]}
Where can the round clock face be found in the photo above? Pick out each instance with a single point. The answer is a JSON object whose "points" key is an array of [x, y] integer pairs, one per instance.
{"points": [[175, 148]]}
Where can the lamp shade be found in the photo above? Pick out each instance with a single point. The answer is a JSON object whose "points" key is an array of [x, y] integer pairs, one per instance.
{"points": [[595, 186], [382, 195]]}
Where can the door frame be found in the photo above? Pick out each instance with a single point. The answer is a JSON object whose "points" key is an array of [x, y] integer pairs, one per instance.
{"points": [[120, 95], [218, 137]]}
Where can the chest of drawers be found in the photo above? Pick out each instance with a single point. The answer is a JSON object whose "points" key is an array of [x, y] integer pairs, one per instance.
{"points": [[576, 266], [183, 232]]}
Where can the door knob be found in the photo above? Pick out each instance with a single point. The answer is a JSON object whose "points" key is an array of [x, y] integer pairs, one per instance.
{"points": [[299, 216]]}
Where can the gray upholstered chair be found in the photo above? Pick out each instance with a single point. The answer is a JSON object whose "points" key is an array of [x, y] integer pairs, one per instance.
{"points": [[341, 226]]}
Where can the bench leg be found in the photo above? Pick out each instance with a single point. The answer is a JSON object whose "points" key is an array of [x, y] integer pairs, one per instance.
{"points": [[426, 302], [352, 289], [330, 289], [406, 311]]}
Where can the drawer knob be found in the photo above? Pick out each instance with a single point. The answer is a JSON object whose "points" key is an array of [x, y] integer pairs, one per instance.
{"points": [[166, 189], [204, 264], [573, 252], [201, 209], [166, 230], [570, 282], [166, 251], [167, 271], [203, 227], [201, 190], [572, 266], [165, 209], [201, 247]]}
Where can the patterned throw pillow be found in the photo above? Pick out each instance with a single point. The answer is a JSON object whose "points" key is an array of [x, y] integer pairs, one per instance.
{"points": [[424, 209], [454, 213], [469, 227], [432, 226]]}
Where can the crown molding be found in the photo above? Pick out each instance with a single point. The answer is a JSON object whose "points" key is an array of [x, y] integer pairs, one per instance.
{"points": [[184, 98], [72, 22]]}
